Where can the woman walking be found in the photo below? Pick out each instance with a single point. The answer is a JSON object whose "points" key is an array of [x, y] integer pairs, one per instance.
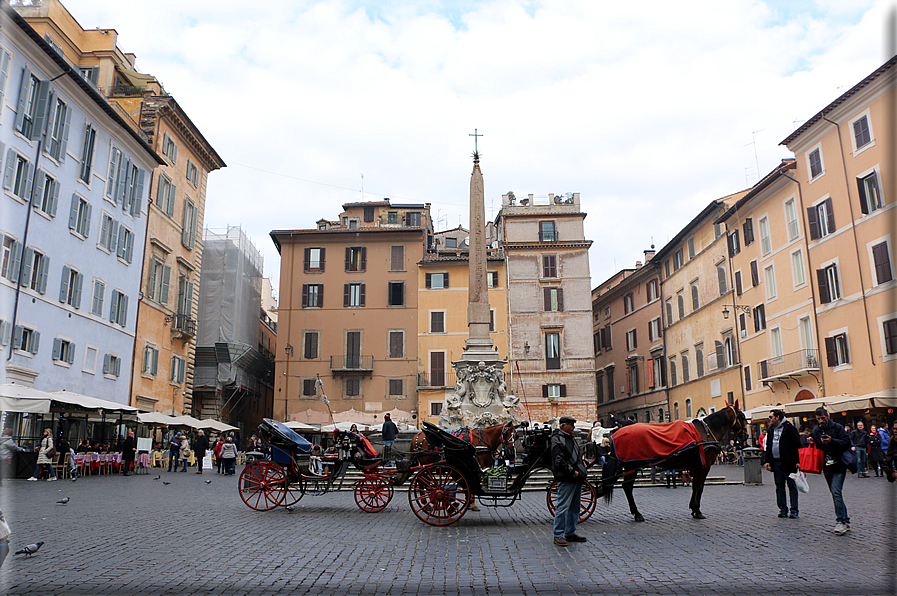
{"points": [[229, 455], [45, 458], [876, 455]]}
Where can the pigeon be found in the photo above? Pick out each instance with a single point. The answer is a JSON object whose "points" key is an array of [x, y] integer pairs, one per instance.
{"points": [[64, 501], [159, 477], [208, 482], [165, 483], [30, 549], [289, 508], [74, 479]]}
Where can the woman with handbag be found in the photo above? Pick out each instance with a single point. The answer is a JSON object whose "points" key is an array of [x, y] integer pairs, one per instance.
{"points": [[45, 456], [876, 454], [185, 452]]}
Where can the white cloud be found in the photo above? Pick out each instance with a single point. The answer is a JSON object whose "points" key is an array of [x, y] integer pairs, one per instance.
{"points": [[648, 111]]}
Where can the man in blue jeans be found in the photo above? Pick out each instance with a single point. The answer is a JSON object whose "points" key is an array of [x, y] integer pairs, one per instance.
{"points": [[174, 451], [833, 440], [390, 430], [569, 472]]}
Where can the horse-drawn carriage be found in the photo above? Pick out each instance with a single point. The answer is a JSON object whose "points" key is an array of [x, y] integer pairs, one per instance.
{"points": [[287, 476], [442, 492]]}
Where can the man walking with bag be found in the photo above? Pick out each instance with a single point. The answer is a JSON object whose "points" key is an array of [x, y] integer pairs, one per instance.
{"points": [[570, 472], [831, 438], [782, 459]]}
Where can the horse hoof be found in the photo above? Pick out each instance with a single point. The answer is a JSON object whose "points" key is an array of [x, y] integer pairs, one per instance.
{"points": [[639, 518], [697, 515]]}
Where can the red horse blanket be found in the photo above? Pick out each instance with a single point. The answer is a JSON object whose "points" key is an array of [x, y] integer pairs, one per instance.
{"points": [[641, 442]]}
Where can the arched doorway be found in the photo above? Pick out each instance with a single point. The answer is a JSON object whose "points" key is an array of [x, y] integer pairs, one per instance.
{"points": [[804, 394]]}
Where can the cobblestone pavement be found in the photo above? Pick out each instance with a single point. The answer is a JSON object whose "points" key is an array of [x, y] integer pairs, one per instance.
{"points": [[124, 536]]}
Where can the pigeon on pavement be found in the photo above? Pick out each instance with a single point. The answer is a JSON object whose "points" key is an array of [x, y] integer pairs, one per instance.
{"points": [[64, 501], [165, 483], [30, 549], [289, 508], [74, 479], [159, 477], [208, 482]]}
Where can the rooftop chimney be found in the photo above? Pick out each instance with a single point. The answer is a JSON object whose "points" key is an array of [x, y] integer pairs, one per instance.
{"points": [[649, 254]]}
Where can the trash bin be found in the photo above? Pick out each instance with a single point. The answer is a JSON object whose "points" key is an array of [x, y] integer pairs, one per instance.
{"points": [[752, 471]]}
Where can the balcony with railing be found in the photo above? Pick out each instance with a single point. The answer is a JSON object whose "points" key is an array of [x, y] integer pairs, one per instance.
{"points": [[789, 366], [353, 363], [184, 325], [549, 236]]}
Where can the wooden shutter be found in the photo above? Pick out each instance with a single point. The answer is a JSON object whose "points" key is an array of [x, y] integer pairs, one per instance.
{"points": [[361, 295], [890, 328], [364, 259], [560, 299], [546, 297], [755, 274], [166, 284], [397, 256], [738, 282], [304, 295], [395, 344], [882, 262], [864, 202], [437, 369], [748, 231], [813, 222], [545, 391], [563, 391], [822, 281], [305, 261], [323, 250], [23, 98], [445, 283], [831, 353], [345, 295], [721, 275], [65, 134], [830, 212], [349, 258]]}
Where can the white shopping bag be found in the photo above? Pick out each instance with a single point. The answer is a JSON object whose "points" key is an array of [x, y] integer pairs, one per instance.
{"points": [[207, 461], [801, 481]]}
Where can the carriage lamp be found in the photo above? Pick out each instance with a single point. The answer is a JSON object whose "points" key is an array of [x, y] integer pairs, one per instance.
{"points": [[737, 307]]}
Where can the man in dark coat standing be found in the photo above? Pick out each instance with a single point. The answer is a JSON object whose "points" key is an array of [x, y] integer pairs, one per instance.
{"points": [[390, 430], [200, 446], [831, 438], [782, 459], [570, 472], [128, 452]]}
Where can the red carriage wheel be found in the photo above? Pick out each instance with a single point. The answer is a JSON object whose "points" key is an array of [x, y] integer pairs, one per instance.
{"points": [[373, 494], [262, 485], [439, 495], [587, 500], [294, 492]]}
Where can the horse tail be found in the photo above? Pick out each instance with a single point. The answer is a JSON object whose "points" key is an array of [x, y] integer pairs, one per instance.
{"points": [[609, 472]]}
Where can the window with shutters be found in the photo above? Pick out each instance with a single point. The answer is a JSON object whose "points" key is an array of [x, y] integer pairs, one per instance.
{"points": [[695, 301], [356, 258], [699, 359], [491, 320], [26, 339], [553, 351], [87, 151], [368, 214], [165, 195], [628, 303], [313, 260], [396, 293], [192, 173], [554, 391], [755, 274], [759, 317], [688, 413], [747, 378], [397, 343], [312, 295], [769, 276], [742, 324], [188, 224], [437, 369], [118, 309], [652, 291], [396, 388], [739, 289], [35, 267], [680, 303], [870, 192], [437, 321], [150, 360], [99, 296], [862, 132], [599, 387], [79, 216], [548, 231], [159, 281], [765, 238], [719, 356], [748, 228], [881, 262], [46, 194], [353, 295], [311, 345], [111, 366], [731, 354], [58, 132], [674, 377], [821, 219], [828, 283], [70, 287], [63, 351], [549, 266], [436, 408], [184, 304], [798, 271], [125, 250], [437, 281], [837, 352], [492, 279], [17, 177], [11, 258], [669, 312], [889, 328], [392, 217], [397, 258], [352, 388], [677, 260], [178, 369], [169, 148], [553, 299], [654, 329], [611, 388], [666, 268], [691, 247], [686, 371], [814, 163], [309, 388], [734, 243], [791, 223], [30, 94], [721, 277], [631, 340], [412, 219], [353, 349], [658, 372]]}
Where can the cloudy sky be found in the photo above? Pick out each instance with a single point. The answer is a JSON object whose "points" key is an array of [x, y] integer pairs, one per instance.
{"points": [[650, 110]]}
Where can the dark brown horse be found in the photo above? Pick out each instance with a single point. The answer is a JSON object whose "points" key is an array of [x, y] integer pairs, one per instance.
{"points": [[697, 458], [487, 441]]}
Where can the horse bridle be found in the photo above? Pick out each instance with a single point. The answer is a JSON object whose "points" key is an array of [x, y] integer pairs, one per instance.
{"points": [[741, 427]]}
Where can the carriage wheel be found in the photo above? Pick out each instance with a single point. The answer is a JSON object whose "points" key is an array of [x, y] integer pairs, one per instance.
{"points": [[439, 495], [261, 485], [294, 491], [587, 500], [373, 494]]}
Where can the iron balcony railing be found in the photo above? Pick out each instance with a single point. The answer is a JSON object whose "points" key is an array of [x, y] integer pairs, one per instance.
{"points": [[185, 324], [352, 363], [799, 362], [549, 236]]}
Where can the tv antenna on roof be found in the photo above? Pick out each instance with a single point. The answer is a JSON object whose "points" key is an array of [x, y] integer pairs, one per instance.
{"points": [[362, 187]]}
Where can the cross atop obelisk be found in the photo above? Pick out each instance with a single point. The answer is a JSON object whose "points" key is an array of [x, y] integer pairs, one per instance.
{"points": [[476, 152]]}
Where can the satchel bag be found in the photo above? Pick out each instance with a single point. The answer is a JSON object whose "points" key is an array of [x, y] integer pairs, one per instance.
{"points": [[51, 452], [810, 460]]}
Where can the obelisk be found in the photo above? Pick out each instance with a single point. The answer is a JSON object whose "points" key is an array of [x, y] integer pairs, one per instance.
{"points": [[480, 397]]}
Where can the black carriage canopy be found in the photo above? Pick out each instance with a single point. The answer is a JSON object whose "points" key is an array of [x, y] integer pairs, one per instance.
{"points": [[278, 434]]}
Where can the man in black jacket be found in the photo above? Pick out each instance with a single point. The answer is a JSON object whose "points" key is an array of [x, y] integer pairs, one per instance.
{"points": [[831, 438], [782, 459], [570, 472], [390, 430], [200, 446], [859, 442]]}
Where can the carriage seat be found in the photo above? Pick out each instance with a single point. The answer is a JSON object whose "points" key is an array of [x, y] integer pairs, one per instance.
{"points": [[366, 463]]}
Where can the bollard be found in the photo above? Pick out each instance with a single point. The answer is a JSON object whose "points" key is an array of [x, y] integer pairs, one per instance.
{"points": [[752, 470]]}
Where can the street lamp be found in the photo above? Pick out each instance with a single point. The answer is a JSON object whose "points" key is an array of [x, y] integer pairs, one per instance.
{"points": [[737, 307]]}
